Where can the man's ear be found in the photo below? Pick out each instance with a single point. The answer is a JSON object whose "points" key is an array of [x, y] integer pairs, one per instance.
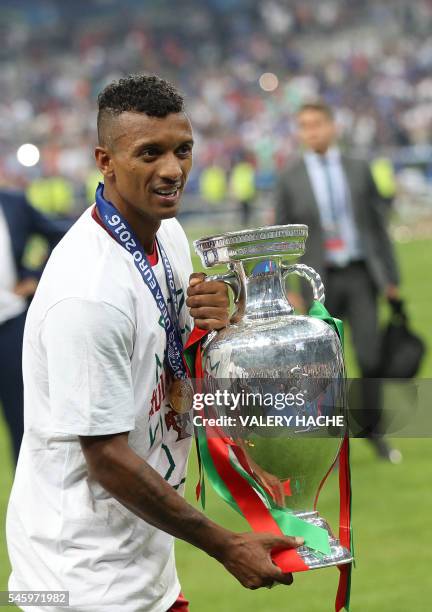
{"points": [[104, 162]]}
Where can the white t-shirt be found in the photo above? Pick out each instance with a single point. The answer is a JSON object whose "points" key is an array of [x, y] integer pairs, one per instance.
{"points": [[93, 365], [11, 305]]}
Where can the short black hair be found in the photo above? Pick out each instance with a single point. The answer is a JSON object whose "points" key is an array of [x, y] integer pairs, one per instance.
{"points": [[317, 105], [137, 93]]}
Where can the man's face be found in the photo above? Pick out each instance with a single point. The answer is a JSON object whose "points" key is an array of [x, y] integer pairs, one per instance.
{"points": [[150, 159], [316, 130]]}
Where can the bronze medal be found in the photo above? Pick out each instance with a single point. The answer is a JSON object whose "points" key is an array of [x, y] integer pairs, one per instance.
{"points": [[180, 395]]}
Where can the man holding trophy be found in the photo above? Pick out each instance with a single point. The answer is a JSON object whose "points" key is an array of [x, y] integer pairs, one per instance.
{"points": [[96, 502]]}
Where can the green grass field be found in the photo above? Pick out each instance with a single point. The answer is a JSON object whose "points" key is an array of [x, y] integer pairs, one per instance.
{"points": [[392, 509]]}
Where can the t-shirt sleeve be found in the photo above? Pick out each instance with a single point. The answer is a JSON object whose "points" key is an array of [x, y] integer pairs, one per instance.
{"points": [[89, 347]]}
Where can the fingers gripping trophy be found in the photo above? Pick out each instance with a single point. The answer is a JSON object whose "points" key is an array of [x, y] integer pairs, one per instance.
{"points": [[269, 454]]}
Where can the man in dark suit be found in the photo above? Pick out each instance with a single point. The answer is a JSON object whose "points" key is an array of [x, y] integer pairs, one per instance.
{"points": [[18, 221], [348, 244]]}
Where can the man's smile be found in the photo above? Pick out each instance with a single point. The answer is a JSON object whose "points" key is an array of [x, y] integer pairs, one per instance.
{"points": [[168, 193]]}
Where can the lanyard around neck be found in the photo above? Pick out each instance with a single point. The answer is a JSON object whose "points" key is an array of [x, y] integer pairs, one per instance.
{"points": [[122, 232]]}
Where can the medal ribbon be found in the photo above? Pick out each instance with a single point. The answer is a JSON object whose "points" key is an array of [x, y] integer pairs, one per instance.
{"points": [[124, 235]]}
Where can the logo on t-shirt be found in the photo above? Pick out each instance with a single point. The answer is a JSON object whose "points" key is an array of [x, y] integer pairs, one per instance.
{"points": [[169, 418]]}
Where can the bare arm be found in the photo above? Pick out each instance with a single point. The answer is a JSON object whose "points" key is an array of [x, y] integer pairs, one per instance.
{"points": [[135, 484]]}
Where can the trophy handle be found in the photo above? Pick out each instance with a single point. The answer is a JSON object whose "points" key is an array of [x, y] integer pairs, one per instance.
{"points": [[229, 278], [309, 274]]}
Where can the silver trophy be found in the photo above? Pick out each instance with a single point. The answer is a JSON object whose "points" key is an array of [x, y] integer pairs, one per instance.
{"points": [[270, 352]]}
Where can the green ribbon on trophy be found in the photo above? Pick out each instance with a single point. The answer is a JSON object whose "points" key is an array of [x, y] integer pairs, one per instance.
{"points": [[230, 474], [315, 537]]}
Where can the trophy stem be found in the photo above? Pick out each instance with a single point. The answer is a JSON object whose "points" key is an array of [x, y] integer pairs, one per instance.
{"points": [[263, 293]]}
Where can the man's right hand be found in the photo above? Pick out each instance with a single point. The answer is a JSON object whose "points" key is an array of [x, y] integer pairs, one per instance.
{"points": [[247, 556], [141, 489]]}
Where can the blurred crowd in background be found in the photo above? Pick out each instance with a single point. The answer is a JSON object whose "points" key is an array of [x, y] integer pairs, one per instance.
{"points": [[245, 68]]}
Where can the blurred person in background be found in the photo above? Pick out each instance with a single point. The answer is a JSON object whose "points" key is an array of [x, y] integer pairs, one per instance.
{"points": [[349, 246], [242, 187], [52, 195], [384, 177], [18, 221], [213, 184]]}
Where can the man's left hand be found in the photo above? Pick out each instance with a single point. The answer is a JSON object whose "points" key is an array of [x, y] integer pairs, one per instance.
{"points": [[208, 302]]}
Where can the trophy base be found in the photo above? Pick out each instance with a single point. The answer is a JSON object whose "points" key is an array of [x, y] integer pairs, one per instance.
{"points": [[339, 555]]}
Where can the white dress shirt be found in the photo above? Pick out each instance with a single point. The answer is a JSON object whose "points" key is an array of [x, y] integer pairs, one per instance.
{"points": [[333, 197], [11, 305]]}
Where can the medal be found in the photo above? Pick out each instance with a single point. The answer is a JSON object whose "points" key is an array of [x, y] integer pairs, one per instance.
{"points": [[180, 395]]}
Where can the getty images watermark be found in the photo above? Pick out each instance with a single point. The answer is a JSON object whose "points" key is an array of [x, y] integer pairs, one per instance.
{"points": [[288, 403], [399, 408]]}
